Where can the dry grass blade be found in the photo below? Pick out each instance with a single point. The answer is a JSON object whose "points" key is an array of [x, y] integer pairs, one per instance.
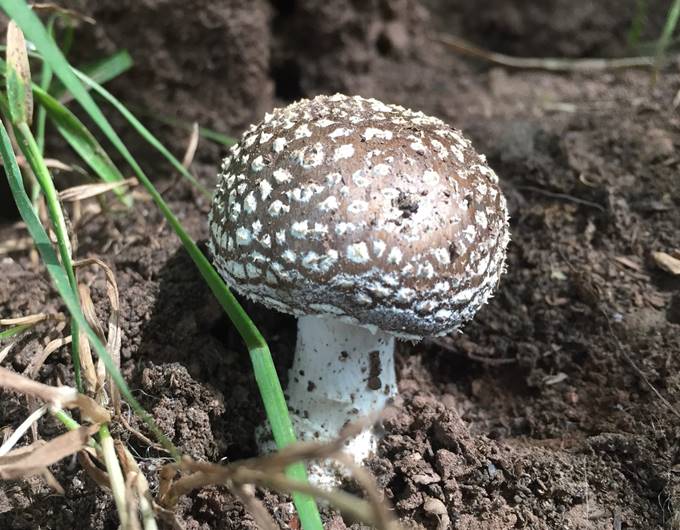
{"points": [[37, 361], [63, 396], [165, 481], [132, 502], [18, 244], [22, 429], [113, 340], [191, 146], [34, 458], [86, 362], [70, 13], [87, 191], [138, 483], [267, 472], [5, 351], [252, 504], [283, 458], [345, 502], [91, 316], [141, 437], [88, 310], [100, 477], [539, 63], [169, 518], [30, 319], [91, 410], [94, 376], [52, 481], [51, 163], [34, 366], [367, 482]]}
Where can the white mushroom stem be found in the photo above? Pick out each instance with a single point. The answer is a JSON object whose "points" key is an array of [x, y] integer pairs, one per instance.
{"points": [[341, 373]]}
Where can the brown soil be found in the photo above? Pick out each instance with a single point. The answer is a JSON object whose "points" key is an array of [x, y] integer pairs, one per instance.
{"points": [[556, 408]]}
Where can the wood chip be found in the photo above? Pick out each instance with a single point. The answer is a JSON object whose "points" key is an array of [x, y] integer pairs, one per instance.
{"points": [[628, 262], [667, 262]]}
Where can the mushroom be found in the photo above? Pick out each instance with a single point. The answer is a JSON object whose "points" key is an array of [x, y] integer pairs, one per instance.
{"points": [[367, 221]]}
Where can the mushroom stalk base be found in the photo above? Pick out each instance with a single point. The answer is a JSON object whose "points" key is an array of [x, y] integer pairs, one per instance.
{"points": [[341, 373]]}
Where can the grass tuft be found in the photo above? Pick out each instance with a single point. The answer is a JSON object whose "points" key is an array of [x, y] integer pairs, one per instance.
{"points": [[62, 272]]}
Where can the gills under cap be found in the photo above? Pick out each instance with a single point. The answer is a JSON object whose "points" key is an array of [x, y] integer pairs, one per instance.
{"points": [[367, 212]]}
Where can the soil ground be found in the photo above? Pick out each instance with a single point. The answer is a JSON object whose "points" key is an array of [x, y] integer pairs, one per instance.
{"points": [[556, 408]]}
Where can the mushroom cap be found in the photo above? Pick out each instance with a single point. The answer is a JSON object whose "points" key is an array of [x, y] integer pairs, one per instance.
{"points": [[367, 212]]}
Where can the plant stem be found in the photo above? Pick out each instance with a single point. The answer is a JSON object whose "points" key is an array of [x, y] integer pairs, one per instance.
{"points": [[71, 424], [32, 153]]}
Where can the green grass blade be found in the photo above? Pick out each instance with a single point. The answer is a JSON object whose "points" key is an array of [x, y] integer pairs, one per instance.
{"points": [[79, 138], [638, 23], [217, 137], [61, 281], [33, 28], [102, 71], [142, 130], [263, 365], [30, 149], [45, 83], [260, 354], [109, 68], [14, 330], [20, 111], [204, 132], [667, 33], [72, 123]]}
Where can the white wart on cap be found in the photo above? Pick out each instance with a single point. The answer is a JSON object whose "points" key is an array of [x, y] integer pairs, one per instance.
{"points": [[367, 212]]}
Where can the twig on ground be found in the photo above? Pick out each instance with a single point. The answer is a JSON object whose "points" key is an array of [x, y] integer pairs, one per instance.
{"points": [[638, 371], [563, 196], [492, 361], [542, 63]]}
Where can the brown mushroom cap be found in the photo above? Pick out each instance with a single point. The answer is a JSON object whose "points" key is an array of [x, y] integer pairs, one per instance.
{"points": [[369, 212]]}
